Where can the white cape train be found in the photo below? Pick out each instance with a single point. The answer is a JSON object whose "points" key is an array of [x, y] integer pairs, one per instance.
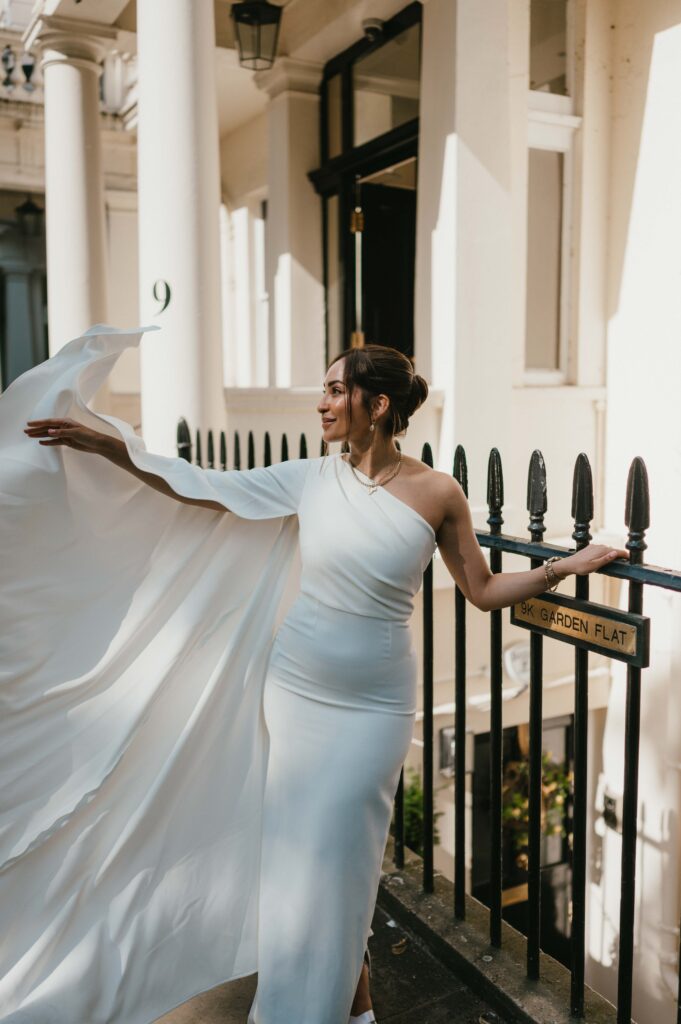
{"points": [[123, 612]]}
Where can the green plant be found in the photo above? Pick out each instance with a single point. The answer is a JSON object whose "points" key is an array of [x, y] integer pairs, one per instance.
{"points": [[413, 814], [515, 813]]}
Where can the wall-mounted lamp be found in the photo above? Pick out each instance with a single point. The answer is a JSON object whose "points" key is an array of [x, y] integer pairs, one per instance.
{"points": [[28, 67], [256, 25], [448, 749], [9, 62], [30, 218]]}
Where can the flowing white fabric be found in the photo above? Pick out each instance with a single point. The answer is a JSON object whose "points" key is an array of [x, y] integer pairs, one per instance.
{"points": [[184, 802], [131, 774]]}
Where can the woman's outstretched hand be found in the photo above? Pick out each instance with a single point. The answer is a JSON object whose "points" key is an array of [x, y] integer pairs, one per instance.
{"points": [[588, 559], [84, 439], [67, 432]]}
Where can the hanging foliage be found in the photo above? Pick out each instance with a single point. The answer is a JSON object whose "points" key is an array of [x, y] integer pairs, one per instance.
{"points": [[413, 814], [555, 791]]}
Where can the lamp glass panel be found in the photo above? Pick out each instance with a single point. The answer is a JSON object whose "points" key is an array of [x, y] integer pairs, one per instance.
{"points": [[268, 41], [248, 39], [385, 86]]}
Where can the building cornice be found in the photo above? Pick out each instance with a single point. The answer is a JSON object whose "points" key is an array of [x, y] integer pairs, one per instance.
{"points": [[290, 75], [74, 40]]}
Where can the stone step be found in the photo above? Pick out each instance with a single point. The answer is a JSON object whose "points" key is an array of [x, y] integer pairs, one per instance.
{"points": [[409, 986]]}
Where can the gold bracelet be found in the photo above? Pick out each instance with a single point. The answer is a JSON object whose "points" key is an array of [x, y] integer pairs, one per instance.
{"points": [[552, 580]]}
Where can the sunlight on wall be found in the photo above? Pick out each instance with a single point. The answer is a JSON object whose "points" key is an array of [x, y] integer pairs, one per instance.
{"points": [[644, 369], [282, 319], [644, 356], [443, 298]]}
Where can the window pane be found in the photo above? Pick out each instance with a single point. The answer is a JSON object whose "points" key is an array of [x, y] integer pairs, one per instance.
{"points": [[386, 86], [548, 46], [544, 239], [334, 120], [333, 280]]}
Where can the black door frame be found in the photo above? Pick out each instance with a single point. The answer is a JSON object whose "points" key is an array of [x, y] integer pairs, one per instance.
{"points": [[337, 176]]}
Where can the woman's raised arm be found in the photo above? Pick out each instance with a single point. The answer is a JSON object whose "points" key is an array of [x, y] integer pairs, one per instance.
{"points": [[265, 492], [466, 562], [83, 439]]}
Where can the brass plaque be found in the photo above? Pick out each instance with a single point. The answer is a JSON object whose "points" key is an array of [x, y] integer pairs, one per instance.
{"points": [[618, 634]]}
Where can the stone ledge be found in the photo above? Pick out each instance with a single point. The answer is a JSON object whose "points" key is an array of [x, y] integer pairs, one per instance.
{"points": [[497, 975]]}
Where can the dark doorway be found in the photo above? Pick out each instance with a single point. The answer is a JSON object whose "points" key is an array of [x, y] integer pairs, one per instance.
{"points": [[23, 285], [556, 832], [388, 263]]}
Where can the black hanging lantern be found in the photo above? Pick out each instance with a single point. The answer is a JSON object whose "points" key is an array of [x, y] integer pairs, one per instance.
{"points": [[256, 24], [30, 218], [9, 62], [28, 67]]}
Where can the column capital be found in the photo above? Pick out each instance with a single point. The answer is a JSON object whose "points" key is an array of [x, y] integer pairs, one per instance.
{"points": [[290, 75], [69, 40]]}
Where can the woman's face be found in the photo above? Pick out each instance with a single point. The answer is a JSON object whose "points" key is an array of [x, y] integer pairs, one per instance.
{"points": [[332, 408]]}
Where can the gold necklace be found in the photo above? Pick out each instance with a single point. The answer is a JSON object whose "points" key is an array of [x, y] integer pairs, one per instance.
{"points": [[374, 484]]}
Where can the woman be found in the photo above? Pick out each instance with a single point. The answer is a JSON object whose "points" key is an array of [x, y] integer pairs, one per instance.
{"points": [[213, 840]]}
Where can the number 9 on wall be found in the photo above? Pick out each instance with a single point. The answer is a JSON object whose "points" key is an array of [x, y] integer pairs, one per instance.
{"points": [[161, 292]]}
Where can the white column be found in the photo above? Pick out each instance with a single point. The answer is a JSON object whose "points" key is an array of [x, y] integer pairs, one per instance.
{"points": [[71, 56], [470, 107], [179, 216], [294, 266]]}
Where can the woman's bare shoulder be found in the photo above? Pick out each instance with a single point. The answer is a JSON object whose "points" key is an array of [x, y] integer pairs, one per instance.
{"points": [[438, 496], [439, 484]]}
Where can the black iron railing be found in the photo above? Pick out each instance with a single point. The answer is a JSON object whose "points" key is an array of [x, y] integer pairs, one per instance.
{"points": [[184, 448], [637, 575]]}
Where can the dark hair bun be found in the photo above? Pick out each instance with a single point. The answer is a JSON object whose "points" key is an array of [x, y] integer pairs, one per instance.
{"points": [[418, 393]]}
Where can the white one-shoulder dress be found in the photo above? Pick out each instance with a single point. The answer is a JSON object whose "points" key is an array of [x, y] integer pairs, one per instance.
{"points": [[203, 719]]}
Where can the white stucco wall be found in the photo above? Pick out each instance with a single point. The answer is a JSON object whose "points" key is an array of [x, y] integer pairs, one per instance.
{"points": [[644, 418], [243, 160]]}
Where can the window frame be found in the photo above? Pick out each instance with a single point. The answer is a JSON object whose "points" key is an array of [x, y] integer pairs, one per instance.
{"points": [[342, 64], [570, 37], [552, 127]]}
